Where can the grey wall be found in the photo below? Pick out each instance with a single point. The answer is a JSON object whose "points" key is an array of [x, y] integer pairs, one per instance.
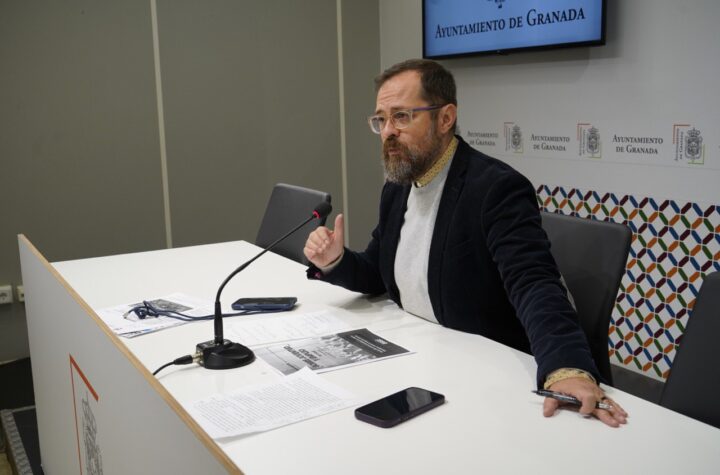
{"points": [[78, 137], [361, 38], [400, 31], [251, 97]]}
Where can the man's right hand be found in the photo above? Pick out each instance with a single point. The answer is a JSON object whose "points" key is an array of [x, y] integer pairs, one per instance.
{"points": [[323, 246]]}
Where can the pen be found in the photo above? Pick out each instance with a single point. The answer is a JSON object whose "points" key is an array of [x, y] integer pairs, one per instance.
{"points": [[569, 399]]}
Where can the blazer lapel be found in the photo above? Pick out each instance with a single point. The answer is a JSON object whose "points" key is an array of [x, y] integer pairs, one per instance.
{"points": [[451, 192], [396, 218]]}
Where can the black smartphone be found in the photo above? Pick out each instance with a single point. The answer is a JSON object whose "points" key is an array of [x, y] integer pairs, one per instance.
{"points": [[399, 407], [265, 303]]}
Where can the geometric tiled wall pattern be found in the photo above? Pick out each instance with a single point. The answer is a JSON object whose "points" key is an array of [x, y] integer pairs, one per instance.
{"points": [[673, 246]]}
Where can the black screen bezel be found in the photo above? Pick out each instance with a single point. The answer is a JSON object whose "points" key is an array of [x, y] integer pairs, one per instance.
{"points": [[503, 52]]}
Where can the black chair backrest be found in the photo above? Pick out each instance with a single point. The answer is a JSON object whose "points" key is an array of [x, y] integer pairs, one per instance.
{"points": [[693, 385], [591, 256], [288, 206]]}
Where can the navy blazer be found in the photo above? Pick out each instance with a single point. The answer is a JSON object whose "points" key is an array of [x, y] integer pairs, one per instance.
{"points": [[490, 269]]}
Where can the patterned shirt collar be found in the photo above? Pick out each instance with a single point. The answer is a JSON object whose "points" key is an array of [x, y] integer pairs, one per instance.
{"points": [[438, 165]]}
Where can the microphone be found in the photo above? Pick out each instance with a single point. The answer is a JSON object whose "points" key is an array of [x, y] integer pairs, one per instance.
{"points": [[220, 353]]}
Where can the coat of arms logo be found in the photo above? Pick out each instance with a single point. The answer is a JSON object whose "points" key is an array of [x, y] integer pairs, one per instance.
{"points": [[593, 141], [516, 138], [499, 3], [693, 144]]}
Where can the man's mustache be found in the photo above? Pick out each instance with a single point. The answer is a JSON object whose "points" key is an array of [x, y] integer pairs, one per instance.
{"points": [[393, 143]]}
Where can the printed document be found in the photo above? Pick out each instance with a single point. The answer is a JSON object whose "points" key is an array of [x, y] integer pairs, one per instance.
{"points": [[292, 326], [124, 322], [262, 407], [330, 352]]}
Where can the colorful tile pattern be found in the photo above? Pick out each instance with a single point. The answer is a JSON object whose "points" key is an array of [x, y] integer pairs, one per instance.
{"points": [[673, 246]]}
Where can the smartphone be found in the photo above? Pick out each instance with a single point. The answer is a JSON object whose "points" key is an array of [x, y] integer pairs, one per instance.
{"points": [[265, 303], [399, 407]]}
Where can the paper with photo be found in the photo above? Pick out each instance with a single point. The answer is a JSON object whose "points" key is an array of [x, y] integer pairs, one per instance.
{"points": [[330, 352], [262, 407], [293, 326], [125, 323]]}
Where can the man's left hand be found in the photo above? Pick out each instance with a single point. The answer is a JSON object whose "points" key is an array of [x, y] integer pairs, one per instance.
{"points": [[588, 393]]}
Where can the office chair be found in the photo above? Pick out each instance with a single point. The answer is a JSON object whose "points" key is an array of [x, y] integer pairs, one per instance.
{"points": [[288, 206], [591, 256], [693, 385]]}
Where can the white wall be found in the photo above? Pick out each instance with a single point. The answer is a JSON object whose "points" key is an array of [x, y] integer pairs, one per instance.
{"points": [[659, 67]]}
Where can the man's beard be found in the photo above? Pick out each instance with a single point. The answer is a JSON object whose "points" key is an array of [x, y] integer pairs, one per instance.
{"points": [[412, 162]]}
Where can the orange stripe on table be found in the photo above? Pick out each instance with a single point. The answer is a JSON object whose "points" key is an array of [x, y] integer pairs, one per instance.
{"points": [[82, 375]]}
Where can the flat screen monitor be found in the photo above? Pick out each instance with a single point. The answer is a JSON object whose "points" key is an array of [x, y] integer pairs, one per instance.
{"points": [[470, 27]]}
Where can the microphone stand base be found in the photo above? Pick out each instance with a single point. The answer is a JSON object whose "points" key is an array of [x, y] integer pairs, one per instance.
{"points": [[225, 355]]}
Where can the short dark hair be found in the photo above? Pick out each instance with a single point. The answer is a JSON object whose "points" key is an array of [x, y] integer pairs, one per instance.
{"points": [[438, 84]]}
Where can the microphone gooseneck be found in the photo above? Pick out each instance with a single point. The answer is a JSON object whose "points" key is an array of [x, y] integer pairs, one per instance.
{"points": [[220, 353]]}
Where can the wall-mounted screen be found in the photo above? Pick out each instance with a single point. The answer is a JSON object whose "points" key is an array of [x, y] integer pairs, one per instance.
{"points": [[468, 27]]}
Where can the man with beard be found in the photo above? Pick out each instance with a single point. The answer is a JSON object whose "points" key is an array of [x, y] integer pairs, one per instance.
{"points": [[459, 240]]}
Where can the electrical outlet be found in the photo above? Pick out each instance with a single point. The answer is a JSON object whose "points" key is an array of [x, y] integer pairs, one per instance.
{"points": [[6, 295], [20, 293]]}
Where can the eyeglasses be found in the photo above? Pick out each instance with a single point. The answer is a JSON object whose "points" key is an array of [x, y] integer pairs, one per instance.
{"points": [[400, 119]]}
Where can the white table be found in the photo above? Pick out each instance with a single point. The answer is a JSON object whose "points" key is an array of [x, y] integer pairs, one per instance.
{"points": [[491, 422]]}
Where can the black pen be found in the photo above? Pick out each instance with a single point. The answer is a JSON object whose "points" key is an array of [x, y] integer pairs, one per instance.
{"points": [[569, 399]]}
